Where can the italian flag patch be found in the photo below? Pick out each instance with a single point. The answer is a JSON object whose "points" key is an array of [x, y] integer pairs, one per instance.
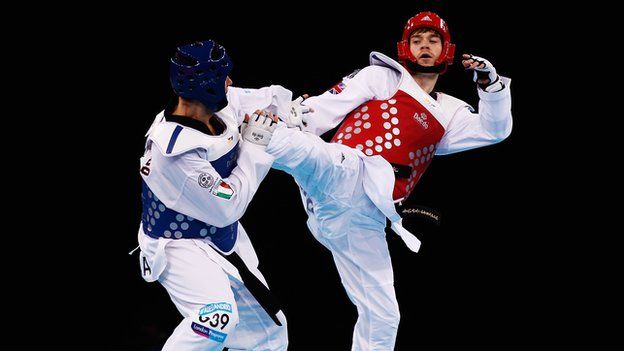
{"points": [[223, 190]]}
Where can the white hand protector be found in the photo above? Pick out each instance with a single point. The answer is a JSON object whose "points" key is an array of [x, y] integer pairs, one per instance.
{"points": [[485, 75], [244, 125], [296, 118], [260, 129]]}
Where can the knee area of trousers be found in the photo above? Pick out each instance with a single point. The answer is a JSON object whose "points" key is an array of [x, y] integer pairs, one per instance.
{"points": [[393, 316], [215, 321], [389, 316]]}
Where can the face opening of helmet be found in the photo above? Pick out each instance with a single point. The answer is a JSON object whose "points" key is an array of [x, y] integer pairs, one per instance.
{"points": [[431, 28], [421, 31], [425, 44]]}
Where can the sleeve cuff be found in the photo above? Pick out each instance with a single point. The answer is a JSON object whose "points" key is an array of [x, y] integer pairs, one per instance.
{"points": [[499, 95]]}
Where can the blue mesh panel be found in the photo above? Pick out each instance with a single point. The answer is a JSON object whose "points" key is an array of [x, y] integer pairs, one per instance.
{"points": [[160, 221]]}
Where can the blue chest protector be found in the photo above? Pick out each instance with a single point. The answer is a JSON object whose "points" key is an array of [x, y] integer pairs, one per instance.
{"points": [[161, 221]]}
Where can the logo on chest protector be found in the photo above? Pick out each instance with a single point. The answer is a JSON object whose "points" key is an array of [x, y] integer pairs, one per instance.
{"points": [[422, 119]]}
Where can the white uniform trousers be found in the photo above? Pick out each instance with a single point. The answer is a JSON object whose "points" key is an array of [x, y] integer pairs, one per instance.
{"points": [[347, 222], [195, 276]]}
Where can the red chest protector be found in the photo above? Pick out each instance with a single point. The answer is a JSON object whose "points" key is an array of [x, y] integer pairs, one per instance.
{"points": [[401, 130]]}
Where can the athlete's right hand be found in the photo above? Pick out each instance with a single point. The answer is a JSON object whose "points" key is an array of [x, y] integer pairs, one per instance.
{"points": [[260, 128]]}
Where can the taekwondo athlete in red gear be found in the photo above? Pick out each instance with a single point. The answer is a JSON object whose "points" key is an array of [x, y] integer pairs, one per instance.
{"points": [[393, 123], [199, 176]]}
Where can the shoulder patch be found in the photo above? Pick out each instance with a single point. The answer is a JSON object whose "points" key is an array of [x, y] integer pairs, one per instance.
{"points": [[338, 88], [205, 180], [222, 189]]}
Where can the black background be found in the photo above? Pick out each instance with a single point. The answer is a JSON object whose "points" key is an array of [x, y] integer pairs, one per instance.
{"points": [[475, 281]]}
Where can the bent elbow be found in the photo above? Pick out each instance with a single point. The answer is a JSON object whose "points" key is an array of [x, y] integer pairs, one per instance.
{"points": [[502, 135], [499, 131], [506, 132]]}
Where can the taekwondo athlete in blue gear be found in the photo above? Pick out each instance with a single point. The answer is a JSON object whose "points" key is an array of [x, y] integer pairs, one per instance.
{"points": [[198, 177]]}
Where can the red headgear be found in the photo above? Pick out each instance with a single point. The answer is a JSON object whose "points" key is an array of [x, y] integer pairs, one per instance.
{"points": [[427, 20]]}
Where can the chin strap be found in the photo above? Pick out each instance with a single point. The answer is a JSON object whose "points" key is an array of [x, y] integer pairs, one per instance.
{"points": [[413, 67]]}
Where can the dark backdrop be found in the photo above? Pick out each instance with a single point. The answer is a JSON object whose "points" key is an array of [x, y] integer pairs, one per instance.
{"points": [[472, 283]]}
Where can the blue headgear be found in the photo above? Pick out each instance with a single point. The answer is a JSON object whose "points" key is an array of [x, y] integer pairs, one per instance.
{"points": [[198, 72]]}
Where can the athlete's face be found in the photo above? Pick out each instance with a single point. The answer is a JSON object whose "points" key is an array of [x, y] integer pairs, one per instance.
{"points": [[426, 46]]}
